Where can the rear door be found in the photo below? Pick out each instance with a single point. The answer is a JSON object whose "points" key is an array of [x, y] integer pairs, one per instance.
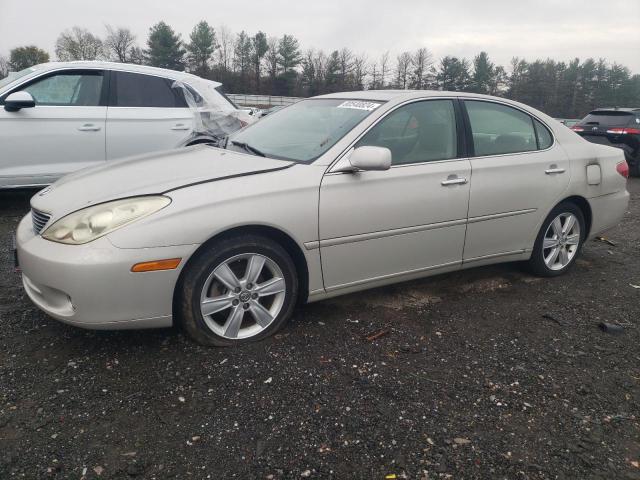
{"points": [[145, 114], [518, 175], [64, 132]]}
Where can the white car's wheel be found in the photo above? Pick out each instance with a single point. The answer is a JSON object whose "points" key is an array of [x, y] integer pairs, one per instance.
{"points": [[239, 290], [559, 241]]}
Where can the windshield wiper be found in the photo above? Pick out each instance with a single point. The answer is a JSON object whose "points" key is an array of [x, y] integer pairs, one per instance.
{"points": [[248, 148]]}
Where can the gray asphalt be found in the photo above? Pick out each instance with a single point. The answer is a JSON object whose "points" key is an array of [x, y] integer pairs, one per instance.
{"points": [[483, 374]]}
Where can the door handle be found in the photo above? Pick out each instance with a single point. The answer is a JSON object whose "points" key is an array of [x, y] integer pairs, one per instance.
{"points": [[553, 169], [451, 180], [89, 127], [180, 126]]}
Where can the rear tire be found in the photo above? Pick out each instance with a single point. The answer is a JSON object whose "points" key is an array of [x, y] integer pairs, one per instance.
{"points": [[241, 289], [559, 241]]}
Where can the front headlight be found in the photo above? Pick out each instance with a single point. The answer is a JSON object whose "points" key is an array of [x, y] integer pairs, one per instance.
{"points": [[93, 222]]}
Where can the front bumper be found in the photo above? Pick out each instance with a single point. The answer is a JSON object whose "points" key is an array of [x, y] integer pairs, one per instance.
{"points": [[92, 285]]}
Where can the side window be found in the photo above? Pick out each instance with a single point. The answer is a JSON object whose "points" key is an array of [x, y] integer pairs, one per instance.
{"points": [[499, 129], [545, 140], [137, 90], [68, 89], [419, 132]]}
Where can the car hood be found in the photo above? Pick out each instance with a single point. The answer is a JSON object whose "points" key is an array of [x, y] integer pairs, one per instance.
{"points": [[149, 174]]}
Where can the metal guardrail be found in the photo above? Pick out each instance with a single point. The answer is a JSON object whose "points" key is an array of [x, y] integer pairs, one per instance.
{"points": [[262, 101]]}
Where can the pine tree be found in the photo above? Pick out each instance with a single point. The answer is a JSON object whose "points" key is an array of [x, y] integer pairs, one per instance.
{"points": [[483, 74], [259, 50], [289, 55], [202, 44], [164, 48]]}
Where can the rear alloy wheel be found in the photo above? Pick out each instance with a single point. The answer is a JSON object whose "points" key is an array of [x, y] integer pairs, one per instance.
{"points": [[559, 241], [242, 290]]}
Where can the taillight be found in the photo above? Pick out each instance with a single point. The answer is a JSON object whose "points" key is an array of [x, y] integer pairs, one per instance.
{"points": [[623, 169], [624, 131], [577, 129]]}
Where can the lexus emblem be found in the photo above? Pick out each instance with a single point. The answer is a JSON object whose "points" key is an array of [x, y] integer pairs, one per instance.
{"points": [[594, 128]]}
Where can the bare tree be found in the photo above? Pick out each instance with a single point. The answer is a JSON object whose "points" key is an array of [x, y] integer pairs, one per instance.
{"points": [[421, 63], [118, 43], [345, 67], [360, 71], [4, 67], [375, 76], [320, 66], [136, 55], [226, 42], [78, 44], [403, 66], [384, 69], [272, 57]]}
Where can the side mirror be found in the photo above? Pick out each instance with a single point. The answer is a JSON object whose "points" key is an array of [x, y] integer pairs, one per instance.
{"points": [[370, 158], [18, 100]]}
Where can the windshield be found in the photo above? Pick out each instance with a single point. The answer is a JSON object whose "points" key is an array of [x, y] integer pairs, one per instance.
{"points": [[16, 75], [303, 131]]}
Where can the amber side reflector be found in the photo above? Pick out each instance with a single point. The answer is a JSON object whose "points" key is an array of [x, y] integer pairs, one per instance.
{"points": [[168, 264]]}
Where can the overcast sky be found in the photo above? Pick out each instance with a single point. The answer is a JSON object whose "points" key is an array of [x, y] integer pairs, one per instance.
{"points": [[560, 29]]}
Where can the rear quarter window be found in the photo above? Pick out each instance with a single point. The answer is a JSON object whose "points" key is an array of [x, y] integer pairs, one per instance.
{"points": [[138, 90], [545, 140]]}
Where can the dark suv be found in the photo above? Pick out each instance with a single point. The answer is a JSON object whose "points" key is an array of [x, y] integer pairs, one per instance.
{"points": [[616, 127]]}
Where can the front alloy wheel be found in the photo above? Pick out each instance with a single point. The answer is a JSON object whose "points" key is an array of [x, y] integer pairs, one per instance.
{"points": [[237, 290], [242, 296]]}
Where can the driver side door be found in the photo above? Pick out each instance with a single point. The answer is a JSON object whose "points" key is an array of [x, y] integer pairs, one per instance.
{"points": [[379, 227], [64, 132]]}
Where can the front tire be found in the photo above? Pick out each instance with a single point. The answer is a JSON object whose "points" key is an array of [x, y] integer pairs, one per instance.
{"points": [[238, 290], [559, 241]]}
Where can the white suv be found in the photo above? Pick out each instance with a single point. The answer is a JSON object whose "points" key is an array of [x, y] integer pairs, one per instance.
{"points": [[56, 118]]}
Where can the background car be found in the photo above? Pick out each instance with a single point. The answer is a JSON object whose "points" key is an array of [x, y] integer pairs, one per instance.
{"points": [[332, 195], [569, 122], [616, 127], [60, 117], [271, 110], [253, 111]]}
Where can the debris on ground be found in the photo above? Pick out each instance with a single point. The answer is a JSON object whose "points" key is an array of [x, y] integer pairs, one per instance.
{"points": [[611, 328], [606, 240], [376, 335]]}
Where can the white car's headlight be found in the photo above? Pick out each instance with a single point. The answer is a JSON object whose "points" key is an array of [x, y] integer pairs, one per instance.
{"points": [[93, 222]]}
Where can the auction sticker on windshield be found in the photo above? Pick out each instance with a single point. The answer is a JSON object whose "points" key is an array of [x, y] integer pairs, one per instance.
{"points": [[359, 105]]}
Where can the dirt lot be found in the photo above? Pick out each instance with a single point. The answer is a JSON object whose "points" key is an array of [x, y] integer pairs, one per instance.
{"points": [[488, 373]]}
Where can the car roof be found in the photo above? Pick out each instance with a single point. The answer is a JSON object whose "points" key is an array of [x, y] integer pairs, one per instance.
{"points": [[616, 109], [129, 67], [388, 95]]}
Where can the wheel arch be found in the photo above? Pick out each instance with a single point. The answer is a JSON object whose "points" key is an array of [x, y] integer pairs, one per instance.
{"points": [[200, 140], [275, 234], [584, 207]]}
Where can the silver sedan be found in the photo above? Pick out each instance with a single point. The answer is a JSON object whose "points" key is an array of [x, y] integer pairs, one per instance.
{"points": [[331, 195]]}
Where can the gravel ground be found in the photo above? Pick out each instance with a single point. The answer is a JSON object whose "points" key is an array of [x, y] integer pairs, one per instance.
{"points": [[486, 373]]}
